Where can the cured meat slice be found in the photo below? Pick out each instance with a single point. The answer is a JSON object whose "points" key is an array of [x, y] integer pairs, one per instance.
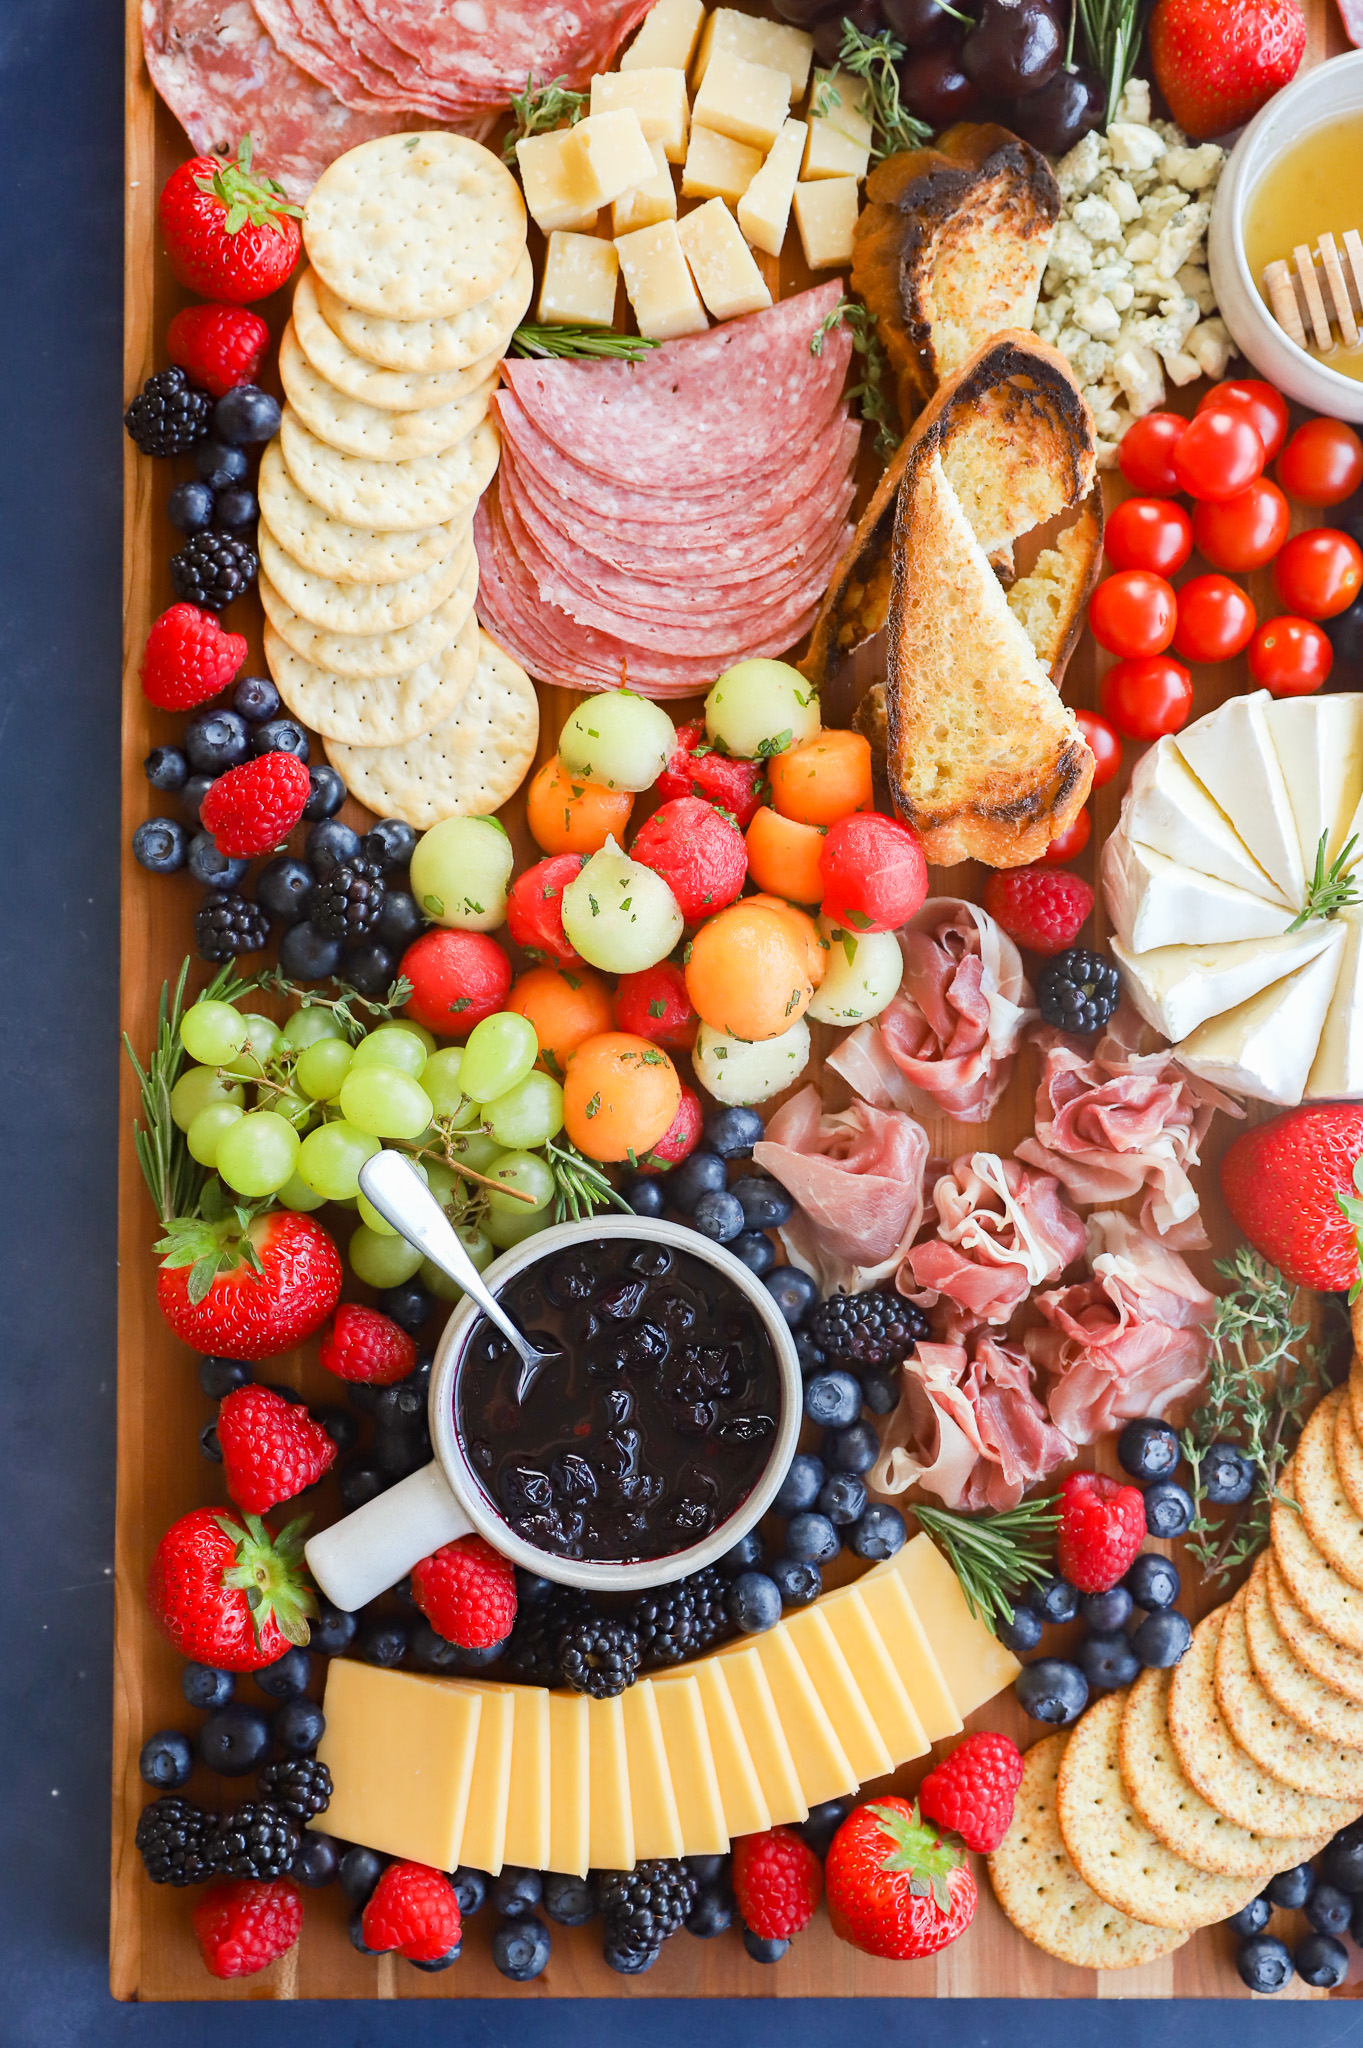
{"points": [[488, 48], [372, 50], [308, 35]]}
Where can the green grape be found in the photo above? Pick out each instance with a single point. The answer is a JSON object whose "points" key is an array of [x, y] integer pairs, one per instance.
{"points": [[428, 1038], [370, 1215], [529, 1114], [476, 1150], [619, 739], [381, 1261], [298, 1196], [331, 1157], [460, 872], [212, 1033], [263, 1038], [322, 1067], [390, 1047], [310, 1025], [480, 1249], [295, 1109], [442, 1180], [207, 1128], [440, 1079], [258, 1154], [385, 1102], [528, 1173], [499, 1053], [195, 1089], [506, 1231]]}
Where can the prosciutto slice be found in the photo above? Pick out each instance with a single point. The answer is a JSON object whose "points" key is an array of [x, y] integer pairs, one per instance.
{"points": [[969, 1427], [1000, 1231], [1130, 1341], [857, 1177], [946, 1042]]}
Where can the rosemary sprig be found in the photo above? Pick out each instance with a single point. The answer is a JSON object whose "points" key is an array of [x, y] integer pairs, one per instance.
{"points": [[539, 108], [579, 343], [1330, 889], [872, 403], [875, 58], [996, 1557], [582, 1187], [343, 1004], [173, 1178], [1112, 32]]}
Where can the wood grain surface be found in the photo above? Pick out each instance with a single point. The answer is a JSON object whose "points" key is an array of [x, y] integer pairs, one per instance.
{"points": [[161, 1473]]}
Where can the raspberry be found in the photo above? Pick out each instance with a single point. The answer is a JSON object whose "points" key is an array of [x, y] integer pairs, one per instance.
{"points": [[1102, 1526], [271, 1448], [467, 1592], [778, 1881], [415, 1911], [188, 658], [244, 1926], [1041, 907], [972, 1790], [218, 346], [363, 1345], [252, 808]]}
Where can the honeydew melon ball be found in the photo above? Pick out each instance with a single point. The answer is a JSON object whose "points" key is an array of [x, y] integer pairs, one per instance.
{"points": [[460, 873], [759, 708], [618, 739], [620, 915], [862, 974], [736, 1072]]}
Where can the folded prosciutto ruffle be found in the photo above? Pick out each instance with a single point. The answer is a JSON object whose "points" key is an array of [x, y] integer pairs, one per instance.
{"points": [[946, 1042], [1000, 1230], [857, 1179], [968, 1427], [1126, 1343]]}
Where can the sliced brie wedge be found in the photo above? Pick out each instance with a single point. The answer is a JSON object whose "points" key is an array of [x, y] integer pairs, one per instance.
{"points": [[1319, 744], [1154, 901], [1338, 1067], [1265, 1047], [1168, 809], [1231, 752], [1176, 988]]}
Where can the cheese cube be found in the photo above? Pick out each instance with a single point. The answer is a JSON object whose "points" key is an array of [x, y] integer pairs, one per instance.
{"points": [[745, 101], [646, 204], [843, 100], [721, 262], [831, 154], [400, 1749], [606, 154], [764, 209], [658, 97], [717, 167], [660, 286], [729, 33], [668, 36], [579, 281], [826, 215], [552, 200]]}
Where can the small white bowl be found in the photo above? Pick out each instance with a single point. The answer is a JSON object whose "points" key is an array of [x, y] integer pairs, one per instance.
{"points": [[1325, 94]]}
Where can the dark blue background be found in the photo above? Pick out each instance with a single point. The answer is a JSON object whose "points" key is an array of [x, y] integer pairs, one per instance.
{"points": [[61, 174]]}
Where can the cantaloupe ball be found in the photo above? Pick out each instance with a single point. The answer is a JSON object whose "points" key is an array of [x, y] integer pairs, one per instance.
{"points": [[748, 973], [738, 1073], [565, 1005], [620, 1095]]}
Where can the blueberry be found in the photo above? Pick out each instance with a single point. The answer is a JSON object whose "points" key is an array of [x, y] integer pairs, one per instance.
{"points": [[193, 794], [1227, 1475], [811, 1538], [764, 1948], [219, 1376], [800, 1487], [1162, 1638], [1321, 1961], [470, 1889], [1051, 1690], [318, 1861], [326, 794], [1107, 1660], [371, 968], [1252, 1918], [732, 1133], [707, 1869], [702, 1174], [716, 1214], [355, 1929], [305, 954], [793, 1292], [330, 843], [166, 1760], [390, 844], [210, 1445], [383, 1642], [333, 1631], [798, 1583], [1148, 1449], [246, 414], [215, 740], [402, 1404], [1057, 1600], [219, 467], [161, 846], [1291, 1888], [235, 1740], [281, 736], [1345, 629], [1168, 1508], [712, 1913], [1263, 1963], [215, 870], [360, 1872], [287, 1677], [571, 1901], [854, 1449], [754, 1602], [823, 1821], [431, 1652], [235, 508], [396, 1452], [166, 768], [1329, 1910], [299, 1726], [765, 1203], [756, 1250], [842, 1498], [409, 1305], [1152, 1581], [879, 1533], [256, 699], [362, 1481], [400, 921], [520, 1949], [1342, 1863], [833, 1400], [1022, 1632], [189, 508], [879, 1393], [644, 1193], [204, 1686], [516, 1891], [283, 886], [811, 1358], [744, 1556], [1107, 1611]]}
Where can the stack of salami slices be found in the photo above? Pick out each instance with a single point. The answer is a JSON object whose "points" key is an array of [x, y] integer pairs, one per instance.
{"points": [[655, 522]]}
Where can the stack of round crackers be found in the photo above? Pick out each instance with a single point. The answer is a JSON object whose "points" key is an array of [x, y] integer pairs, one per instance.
{"points": [[418, 276]]}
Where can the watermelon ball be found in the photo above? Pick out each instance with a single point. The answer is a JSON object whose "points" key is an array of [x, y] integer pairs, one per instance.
{"points": [[457, 978], [681, 1137], [875, 876], [698, 853], [534, 908], [696, 769], [654, 1004]]}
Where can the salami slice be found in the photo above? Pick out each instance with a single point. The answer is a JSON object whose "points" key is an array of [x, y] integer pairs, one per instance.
{"points": [[307, 35], [373, 50], [488, 48]]}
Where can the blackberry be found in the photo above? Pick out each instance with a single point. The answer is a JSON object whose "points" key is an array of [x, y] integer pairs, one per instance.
{"points": [[646, 1905], [1078, 991], [300, 1785], [169, 414], [256, 1840], [708, 1590], [878, 1328], [532, 1647], [175, 1838], [665, 1622], [599, 1657], [211, 569], [227, 923], [347, 901]]}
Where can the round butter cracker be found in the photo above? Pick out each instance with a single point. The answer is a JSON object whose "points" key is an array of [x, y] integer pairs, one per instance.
{"points": [[1324, 1595], [368, 430], [430, 347], [1349, 1453], [1305, 1698], [374, 710], [1332, 1522], [1316, 1652], [361, 607], [430, 490], [368, 655], [394, 390], [1324, 1770], [348, 554]]}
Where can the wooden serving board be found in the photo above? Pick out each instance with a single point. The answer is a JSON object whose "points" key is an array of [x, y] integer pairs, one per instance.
{"points": [[161, 1473]]}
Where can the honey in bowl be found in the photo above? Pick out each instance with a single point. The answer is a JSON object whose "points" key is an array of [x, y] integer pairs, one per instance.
{"points": [[1314, 188]]}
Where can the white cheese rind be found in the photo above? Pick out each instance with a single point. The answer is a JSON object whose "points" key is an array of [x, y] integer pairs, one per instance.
{"points": [[1176, 988], [1232, 754], [1265, 1047], [1155, 902], [1319, 744], [1337, 1071]]}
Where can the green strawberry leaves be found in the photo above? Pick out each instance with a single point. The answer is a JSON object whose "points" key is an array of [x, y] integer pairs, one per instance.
{"points": [[1352, 1207], [269, 1571], [926, 1853], [213, 1243], [261, 201]]}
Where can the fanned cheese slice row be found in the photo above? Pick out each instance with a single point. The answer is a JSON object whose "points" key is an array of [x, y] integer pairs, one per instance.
{"points": [[1319, 744], [1176, 988], [1265, 1047], [1168, 810], [1338, 1067], [1154, 901], [1231, 752]]}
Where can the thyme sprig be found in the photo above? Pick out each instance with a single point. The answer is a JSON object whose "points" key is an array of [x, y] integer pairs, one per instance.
{"points": [[174, 1179], [586, 344], [343, 1005], [1332, 887], [876, 58], [872, 402], [538, 108], [996, 1557]]}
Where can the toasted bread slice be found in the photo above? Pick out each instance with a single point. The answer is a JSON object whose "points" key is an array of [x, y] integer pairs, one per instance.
{"points": [[949, 250], [1049, 600]]}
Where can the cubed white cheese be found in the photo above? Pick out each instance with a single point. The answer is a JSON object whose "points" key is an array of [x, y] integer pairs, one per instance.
{"points": [[843, 99], [654, 200], [1080, 166], [1096, 314], [1097, 220], [668, 37], [1134, 147], [605, 155], [764, 209], [1134, 104], [772, 43], [826, 216], [1196, 284], [831, 154], [1179, 238], [1071, 252], [658, 97], [660, 286], [550, 194], [1211, 347], [721, 262], [579, 281], [717, 167], [1121, 197], [1137, 370], [1142, 247], [1179, 368], [745, 101], [1193, 169]]}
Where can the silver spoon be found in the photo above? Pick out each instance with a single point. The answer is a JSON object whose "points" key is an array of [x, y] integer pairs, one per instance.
{"points": [[392, 1185]]}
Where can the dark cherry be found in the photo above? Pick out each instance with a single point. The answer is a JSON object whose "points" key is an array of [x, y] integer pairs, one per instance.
{"points": [[828, 30], [933, 87], [1062, 112], [803, 13], [922, 24], [1014, 48]]}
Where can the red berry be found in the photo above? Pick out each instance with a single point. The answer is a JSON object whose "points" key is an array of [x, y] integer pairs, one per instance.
{"points": [[875, 876], [271, 1448], [364, 1345], [1043, 908], [1102, 1526], [245, 261], [1286, 1183], [457, 978], [695, 769], [654, 1004], [534, 908], [415, 1911], [276, 1282], [467, 1592], [188, 658], [218, 346], [778, 1882], [698, 853], [972, 1790], [246, 1925], [196, 1589], [681, 1137], [254, 807]]}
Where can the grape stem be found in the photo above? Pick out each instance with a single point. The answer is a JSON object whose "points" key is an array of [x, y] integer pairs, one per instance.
{"points": [[446, 1157]]}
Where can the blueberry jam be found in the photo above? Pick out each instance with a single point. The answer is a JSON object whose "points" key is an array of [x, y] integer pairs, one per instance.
{"points": [[655, 1426]]}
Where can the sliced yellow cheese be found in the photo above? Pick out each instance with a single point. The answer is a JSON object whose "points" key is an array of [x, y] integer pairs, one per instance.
{"points": [[569, 1784], [611, 1838], [551, 195], [740, 1789], [653, 1803], [400, 1750], [745, 101], [826, 217], [821, 1763], [578, 288], [717, 167], [764, 209], [762, 1731], [903, 1634], [657, 95], [682, 1719], [669, 36], [970, 1656], [644, 205], [732, 33], [840, 1693], [659, 282], [483, 1843], [880, 1684], [527, 1805], [721, 262]]}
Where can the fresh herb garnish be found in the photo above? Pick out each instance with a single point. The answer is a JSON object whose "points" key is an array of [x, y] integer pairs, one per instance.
{"points": [[581, 342], [876, 59], [174, 1179], [872, 403], [996, 1557], [1330, 889], [539, 108], [1112, 32], [581, 1186], [343, 1004]]}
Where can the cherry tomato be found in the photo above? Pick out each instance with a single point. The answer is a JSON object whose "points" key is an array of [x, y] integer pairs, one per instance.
{"points": [[1133, 612], [1215, 619], [1244, 532], [1265, 408], [1071, 842], [1104, 745], [1322, 464], [1149, 533], [1147, 698], [1319, 573], [1219, 456], [1290, 657], [1146, 454]]}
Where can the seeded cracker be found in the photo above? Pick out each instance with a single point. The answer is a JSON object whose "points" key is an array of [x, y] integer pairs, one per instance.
{"points": [[427, 491], [1324, 1596], [1331, 1520], [1298, 1758], [1315, 1651], [359, 429], [361, 607], [374, 710], [394, 390], [374, 654], [1306, 1699], [1349, 1455], [331, 547], [426, 347]]}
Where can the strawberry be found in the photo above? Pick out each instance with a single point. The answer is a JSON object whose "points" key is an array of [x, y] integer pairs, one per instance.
{"points": [[227, 1592], [363, 1345], [1289, 1185], [778, 1881], [228, 234], [971, 1791], [1042, 908], [1102, 1526], [254, 807], [467, 1592], [188, 658], [896, 1887], [244, 1286], [244, 1926], [1218, 61], [218, 346], [695, 769], [414, 1910], [271, 1448]]}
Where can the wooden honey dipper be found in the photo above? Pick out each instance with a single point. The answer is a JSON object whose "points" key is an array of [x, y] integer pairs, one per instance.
{"points": [[1282, 289]]}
